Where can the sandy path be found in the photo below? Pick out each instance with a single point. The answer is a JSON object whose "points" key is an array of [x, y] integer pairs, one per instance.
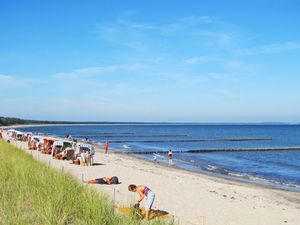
{"points": [[191, 197]]}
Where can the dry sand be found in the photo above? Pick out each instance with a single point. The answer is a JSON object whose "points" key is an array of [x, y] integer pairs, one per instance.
{"points": [[192, 198]]}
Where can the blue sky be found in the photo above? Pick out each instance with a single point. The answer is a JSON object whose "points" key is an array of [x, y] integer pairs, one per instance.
{"points": [[173, 61]]}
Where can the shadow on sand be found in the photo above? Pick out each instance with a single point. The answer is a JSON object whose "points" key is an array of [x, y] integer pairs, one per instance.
{"points": [[141, 213], [98, 164]]}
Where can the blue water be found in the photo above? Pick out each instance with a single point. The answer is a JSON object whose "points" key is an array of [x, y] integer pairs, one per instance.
{"points": [[275, 167]]}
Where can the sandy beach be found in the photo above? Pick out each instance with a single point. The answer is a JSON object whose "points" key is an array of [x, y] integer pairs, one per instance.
{"points": [[192, 198]]}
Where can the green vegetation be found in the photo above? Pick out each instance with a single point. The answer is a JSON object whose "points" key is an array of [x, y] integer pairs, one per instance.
{"points": [[32, 193], [7, 121]]}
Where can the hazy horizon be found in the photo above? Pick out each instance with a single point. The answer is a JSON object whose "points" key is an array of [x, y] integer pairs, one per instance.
{"points": [[94, 122]]}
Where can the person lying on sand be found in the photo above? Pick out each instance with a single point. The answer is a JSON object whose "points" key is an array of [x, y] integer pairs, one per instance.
{"points": [[143, 191], [104, 180]]}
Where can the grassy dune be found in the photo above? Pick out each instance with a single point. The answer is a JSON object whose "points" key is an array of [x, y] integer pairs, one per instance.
{"points": [[32, 193]]}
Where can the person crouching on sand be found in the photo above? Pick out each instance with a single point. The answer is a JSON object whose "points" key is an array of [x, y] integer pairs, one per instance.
{"points": [[143, 191]]}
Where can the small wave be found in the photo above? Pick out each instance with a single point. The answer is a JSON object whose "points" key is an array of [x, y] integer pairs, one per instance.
{"points": [[211, 168], [127, 146], [160, 156], [241, 175]]}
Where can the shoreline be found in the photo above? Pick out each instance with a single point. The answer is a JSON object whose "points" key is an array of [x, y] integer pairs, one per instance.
{"points": [[264, 183], [193, 198], [216, 176]]}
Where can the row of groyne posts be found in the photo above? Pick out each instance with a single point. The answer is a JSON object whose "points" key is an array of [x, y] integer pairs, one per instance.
{"points": [[82, 179], [215, 150], [208, 150]]}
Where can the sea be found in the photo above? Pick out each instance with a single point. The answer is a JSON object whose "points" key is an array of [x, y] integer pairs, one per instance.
{"points": [[278, 169]]}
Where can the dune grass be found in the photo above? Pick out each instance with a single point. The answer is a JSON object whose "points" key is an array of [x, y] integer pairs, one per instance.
{"points": [[32, 193]]}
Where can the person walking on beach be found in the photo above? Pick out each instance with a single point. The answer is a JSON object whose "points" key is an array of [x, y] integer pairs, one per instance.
{"points": [[170, 156], [154, 157], [106, 145], [143, 192]]}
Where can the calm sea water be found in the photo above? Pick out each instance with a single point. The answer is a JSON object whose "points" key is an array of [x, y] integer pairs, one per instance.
{"points": [[277, 168]]}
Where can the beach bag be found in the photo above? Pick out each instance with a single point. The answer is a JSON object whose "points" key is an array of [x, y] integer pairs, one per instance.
{"points": [[115, 180]]}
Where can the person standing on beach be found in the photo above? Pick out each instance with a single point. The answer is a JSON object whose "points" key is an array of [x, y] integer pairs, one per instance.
{"points": [[84, 156], [69, 137], [143, 192], [170, 156], [106, 145]]}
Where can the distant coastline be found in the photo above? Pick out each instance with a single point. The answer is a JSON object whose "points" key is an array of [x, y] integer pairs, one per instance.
{"points": [[10, 121]]}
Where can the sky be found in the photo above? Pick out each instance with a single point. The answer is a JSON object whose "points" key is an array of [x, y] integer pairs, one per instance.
{"points": [[152, 61]]}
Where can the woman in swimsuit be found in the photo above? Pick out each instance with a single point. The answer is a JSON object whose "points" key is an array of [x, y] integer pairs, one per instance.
{"points": [[103, 180], [143, 191]]}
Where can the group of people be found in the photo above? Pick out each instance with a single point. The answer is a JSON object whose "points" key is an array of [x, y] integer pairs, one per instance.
{"points": [[85, 157], [170, 157], [143, 191]]}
